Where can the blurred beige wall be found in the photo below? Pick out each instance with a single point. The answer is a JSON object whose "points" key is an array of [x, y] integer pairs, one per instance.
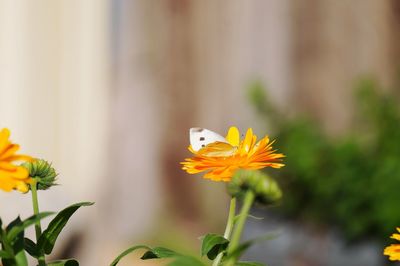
{"points": [[54, 87], [108, 89]]}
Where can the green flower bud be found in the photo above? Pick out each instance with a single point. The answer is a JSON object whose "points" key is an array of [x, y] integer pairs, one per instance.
{"points": [[42, 171], [265, 188]]}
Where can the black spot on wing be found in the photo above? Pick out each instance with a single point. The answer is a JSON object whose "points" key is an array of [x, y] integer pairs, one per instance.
{"points": [[202, 138]]}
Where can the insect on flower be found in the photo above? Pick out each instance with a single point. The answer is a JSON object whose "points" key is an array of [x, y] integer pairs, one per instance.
{"points": [[220, 157]]}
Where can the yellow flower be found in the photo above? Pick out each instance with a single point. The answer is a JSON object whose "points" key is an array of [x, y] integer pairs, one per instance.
{"points": [[393, 251], [12, 176], [222, 159]]}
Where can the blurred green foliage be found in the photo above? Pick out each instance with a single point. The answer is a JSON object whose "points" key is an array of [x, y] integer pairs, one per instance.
{"points": [[351, 182]]}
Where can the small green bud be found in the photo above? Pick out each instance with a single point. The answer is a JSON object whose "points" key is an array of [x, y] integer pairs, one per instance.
{"points": [[42, 171], [265, 188]]}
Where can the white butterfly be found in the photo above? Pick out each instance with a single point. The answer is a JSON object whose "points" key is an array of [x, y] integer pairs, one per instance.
{"points": [[201, 137], [213, 143]]}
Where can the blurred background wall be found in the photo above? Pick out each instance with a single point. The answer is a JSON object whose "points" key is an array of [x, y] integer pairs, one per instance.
{"points": [[54, 96], [107, 91]]}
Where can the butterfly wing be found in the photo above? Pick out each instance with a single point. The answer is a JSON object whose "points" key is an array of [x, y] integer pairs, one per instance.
{"points": [[208, 143], [201, 137]]}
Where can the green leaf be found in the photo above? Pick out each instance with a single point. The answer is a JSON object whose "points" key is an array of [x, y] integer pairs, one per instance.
{"points": [[126, 252], [7, 248], [249, 263], [31, 248], [185, 261], [159, 253], [15, 222], [151, 253], [19, 227], [15, 245], [4, 254], [48, 239], [68, 262], [213, 245]]}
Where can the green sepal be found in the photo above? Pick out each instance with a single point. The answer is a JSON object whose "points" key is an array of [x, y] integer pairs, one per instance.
{"points": [[68, 262], [212, 245], [18, 227], [265, 188], [185, 261], [158, 253], [49, 236], [31, 248], [248, 263], [43, 172]]}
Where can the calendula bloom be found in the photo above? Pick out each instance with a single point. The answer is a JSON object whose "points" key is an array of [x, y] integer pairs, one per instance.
{"points": [[220, 157], [12, 176], [393, 251]]}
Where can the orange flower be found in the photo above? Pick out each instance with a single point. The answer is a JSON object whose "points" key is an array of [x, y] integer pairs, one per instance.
{"points": [[393, 251], [222, 159], [12, 176]]}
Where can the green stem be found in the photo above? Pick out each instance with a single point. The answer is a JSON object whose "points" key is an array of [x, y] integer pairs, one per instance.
{"points": [[228, 229], [237, 233], [38, 227]]}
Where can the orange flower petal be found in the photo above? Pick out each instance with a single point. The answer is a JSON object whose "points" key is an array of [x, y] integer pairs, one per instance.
{"points": [[12, 176], [393, 251], [9, 151], [221, 160], [4, 142]]}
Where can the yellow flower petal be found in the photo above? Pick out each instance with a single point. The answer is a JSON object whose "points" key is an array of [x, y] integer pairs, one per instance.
{"points": [[9, 151], [393, 251], [4, 135], [395, 236], [6, 183], [233, 136], [12, 176], [22, 187], [220, 160]]}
